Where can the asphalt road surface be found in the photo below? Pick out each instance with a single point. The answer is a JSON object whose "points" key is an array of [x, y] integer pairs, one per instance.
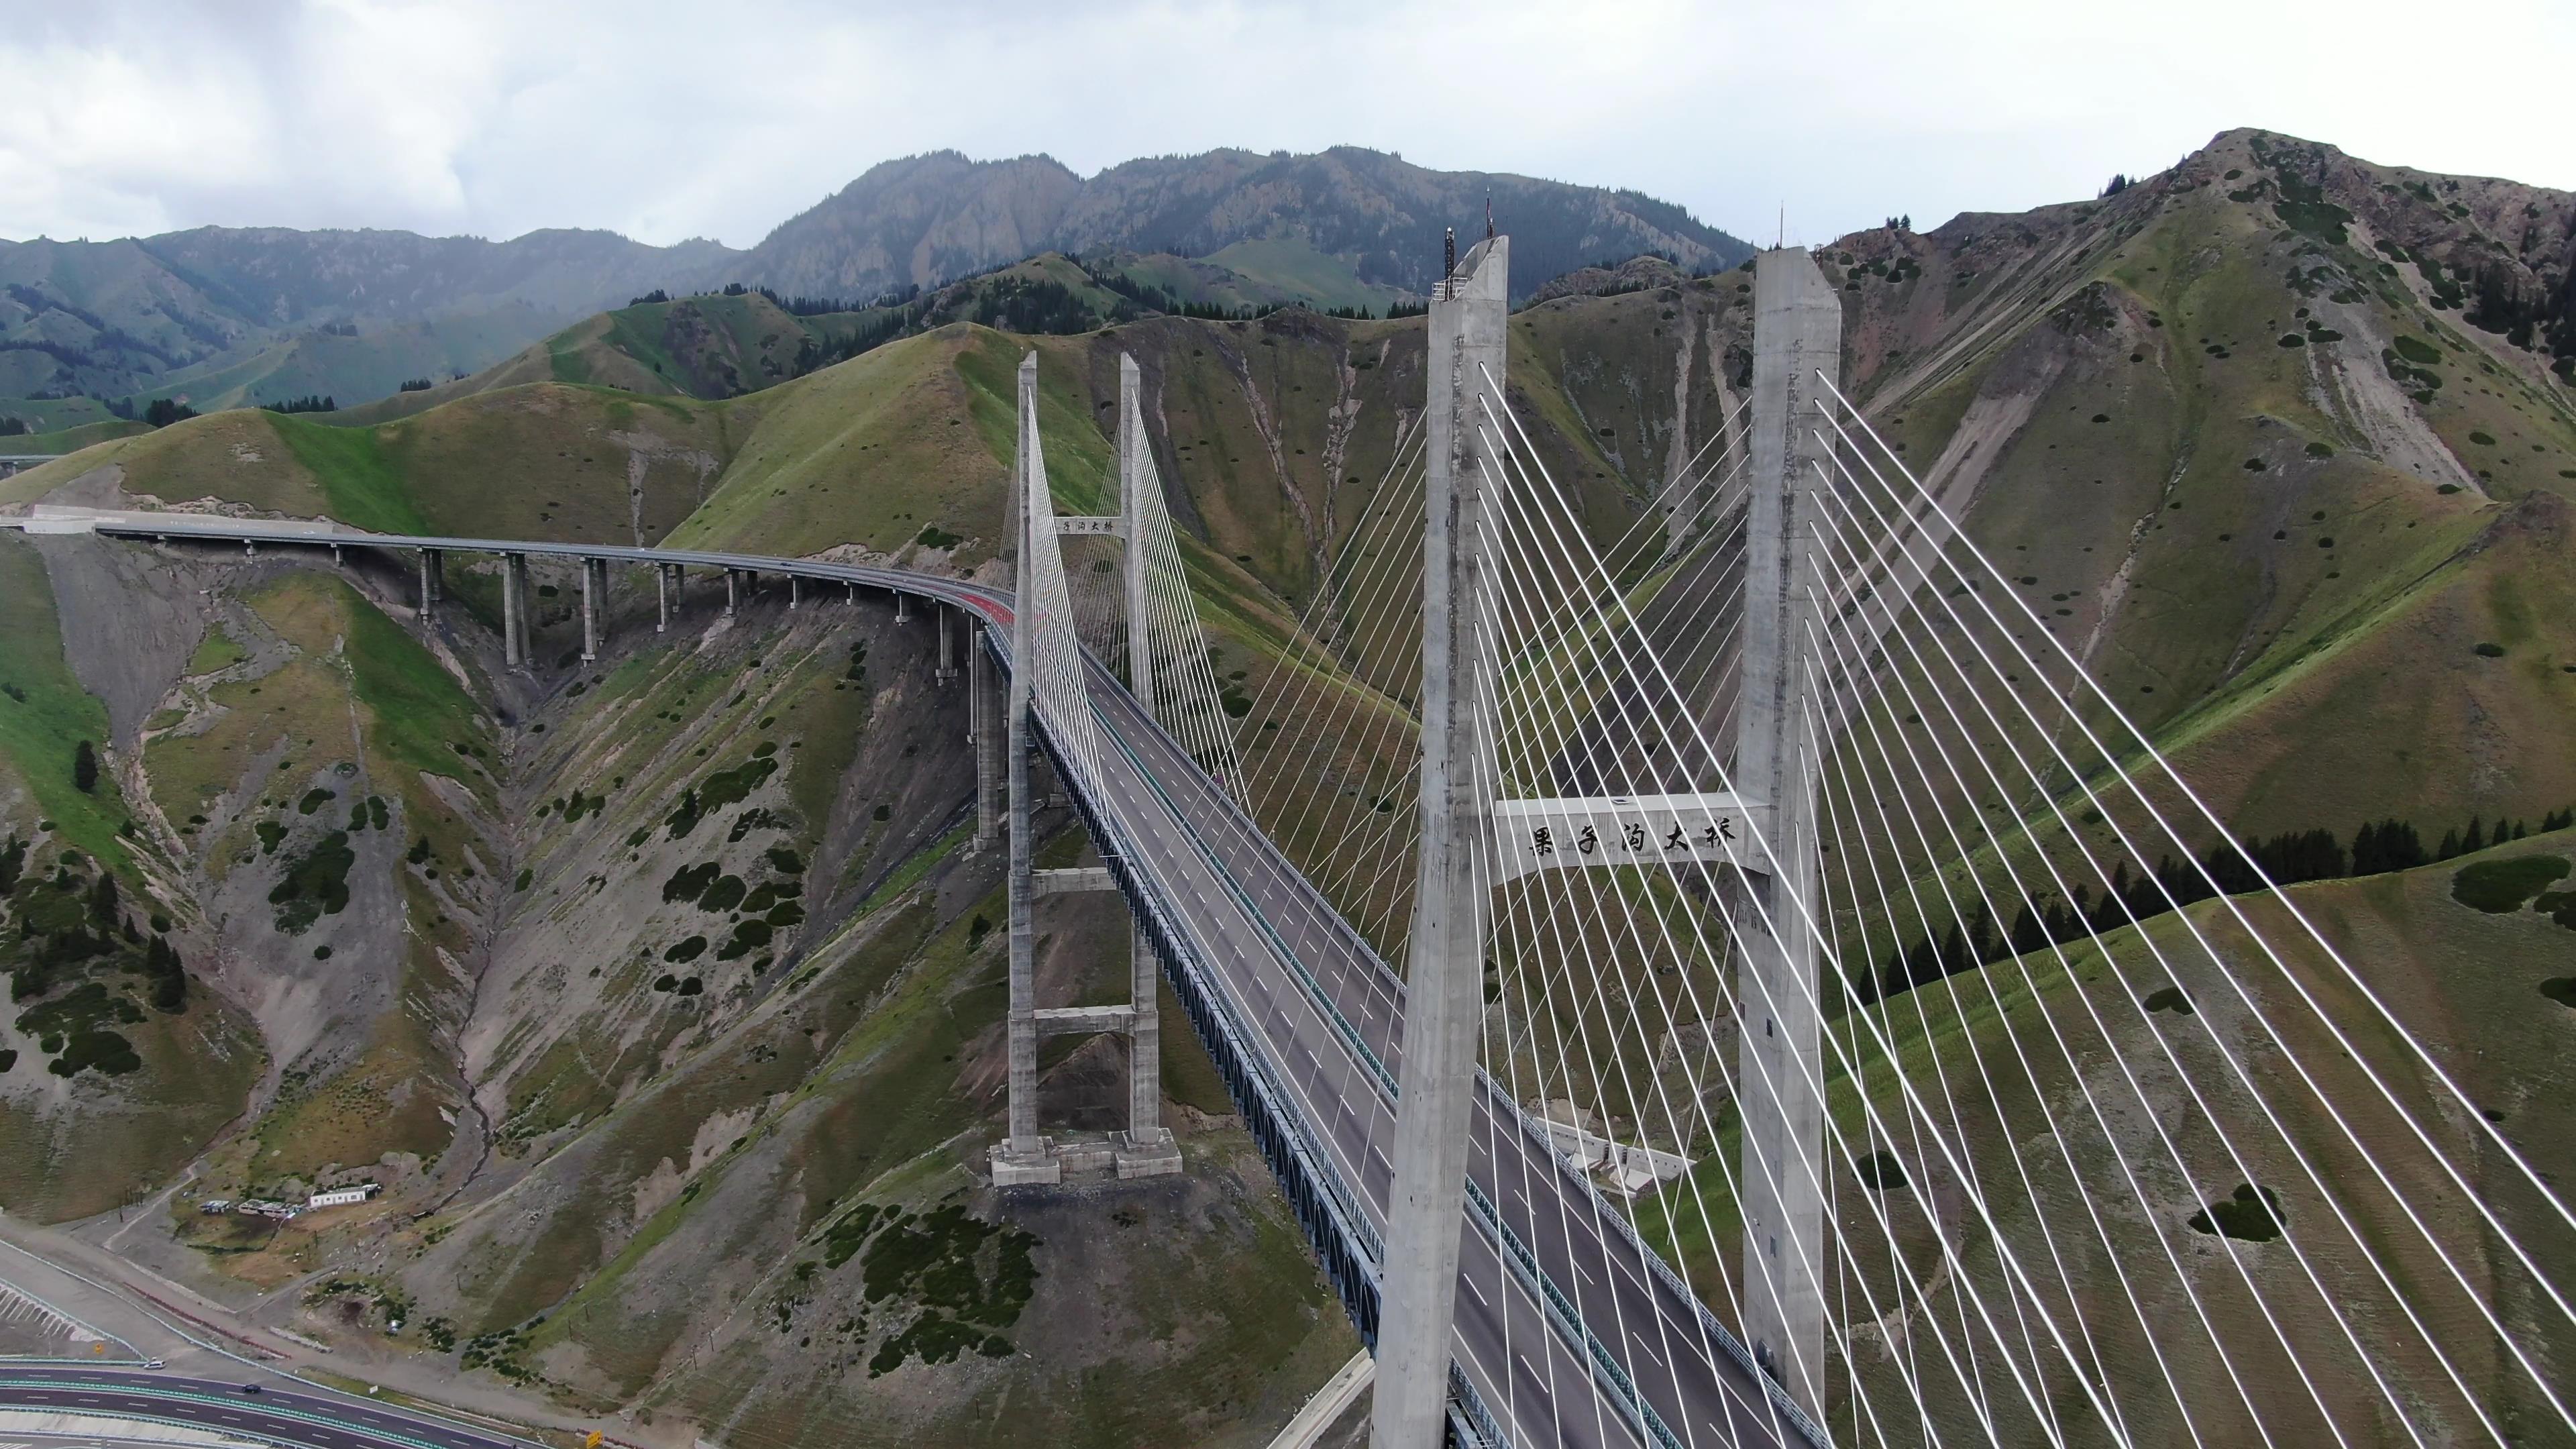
{"points": [[287, 1416]]}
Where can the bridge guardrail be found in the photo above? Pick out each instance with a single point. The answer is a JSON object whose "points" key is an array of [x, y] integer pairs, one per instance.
{"points": [[1343, 1239], [1471, 1423]]}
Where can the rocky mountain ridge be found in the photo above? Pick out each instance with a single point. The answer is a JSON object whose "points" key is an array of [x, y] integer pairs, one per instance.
{"points": [[924, 219]]}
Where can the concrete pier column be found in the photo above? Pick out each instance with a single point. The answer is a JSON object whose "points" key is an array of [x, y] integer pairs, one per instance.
{"points": [[987, 741], [593, 578], [903, 607], [250, 548], [428, 596], [436, 558], [1797, 333], [514, 610], [853, 586], [940, 671], [1145, 1063], [1444, 990], [1147, 1149], [733, 591], [336, 560], [795, 591], [661, 598]]}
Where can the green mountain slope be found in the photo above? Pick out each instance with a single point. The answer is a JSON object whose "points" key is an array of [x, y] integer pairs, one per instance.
{"points": [[2484, 991], [502, 1031]]}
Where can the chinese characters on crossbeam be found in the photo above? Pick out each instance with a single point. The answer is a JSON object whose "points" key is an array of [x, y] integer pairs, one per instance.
{"points": [[1576, 832]]}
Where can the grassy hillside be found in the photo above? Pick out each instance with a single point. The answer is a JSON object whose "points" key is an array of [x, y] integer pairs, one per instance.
{"points": [[71, 439], [2484, 989], [374, 363], [544, 460], [722, 345], [2372, 622]]}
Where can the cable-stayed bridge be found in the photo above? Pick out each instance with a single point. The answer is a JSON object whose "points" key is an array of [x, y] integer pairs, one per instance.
{"points": [[1822, 1017]]}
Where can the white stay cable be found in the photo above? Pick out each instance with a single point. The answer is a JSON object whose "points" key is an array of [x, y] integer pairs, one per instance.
{"points": [[1483, 876], [2226, 1053], [1373, 624], [1568, 955], [1944, 1091], [1519, 576], [1961, 850], [2015, 1272], [2369, 1159], [1336, 596], [2423, 1056], [1562, 550], [1059, 691]]}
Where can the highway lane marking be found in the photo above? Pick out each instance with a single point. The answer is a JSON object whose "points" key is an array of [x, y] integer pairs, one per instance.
{"points": [[1640, 1340]]}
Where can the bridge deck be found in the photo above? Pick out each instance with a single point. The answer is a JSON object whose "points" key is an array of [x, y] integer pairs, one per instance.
{"points": [[1569, 1329]]}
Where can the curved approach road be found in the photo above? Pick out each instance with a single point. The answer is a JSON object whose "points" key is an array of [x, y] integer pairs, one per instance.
{"points": [[280, 1416], [1571, 1332]]}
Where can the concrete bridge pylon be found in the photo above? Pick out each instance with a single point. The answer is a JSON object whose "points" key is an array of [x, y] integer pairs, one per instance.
{"points": [[1444, 973], [1146, 1148], [1797, 335]]}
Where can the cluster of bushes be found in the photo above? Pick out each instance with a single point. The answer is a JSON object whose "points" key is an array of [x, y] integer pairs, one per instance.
{"points": [[63, 923], [312, 403], [936, 1260], [2229, 868], [763, 910], [1030, 305], [317, 885], [719, 790]]}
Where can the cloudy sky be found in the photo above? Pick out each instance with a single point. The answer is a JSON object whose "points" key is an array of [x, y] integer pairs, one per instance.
{"points": [[669, 120]]}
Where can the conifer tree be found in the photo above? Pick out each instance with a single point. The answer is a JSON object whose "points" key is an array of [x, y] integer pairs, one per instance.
{"points": [[2029, 933]]}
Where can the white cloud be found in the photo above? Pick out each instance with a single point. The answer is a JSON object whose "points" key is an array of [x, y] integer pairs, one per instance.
{"points": [[666, 120]]}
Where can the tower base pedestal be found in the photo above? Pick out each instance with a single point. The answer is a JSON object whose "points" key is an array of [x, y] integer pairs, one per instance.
{"points": [[1153, 1153], [1038, 1168]]}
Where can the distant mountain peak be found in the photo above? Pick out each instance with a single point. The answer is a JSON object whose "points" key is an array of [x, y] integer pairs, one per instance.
{"points": [[928, 219]]}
